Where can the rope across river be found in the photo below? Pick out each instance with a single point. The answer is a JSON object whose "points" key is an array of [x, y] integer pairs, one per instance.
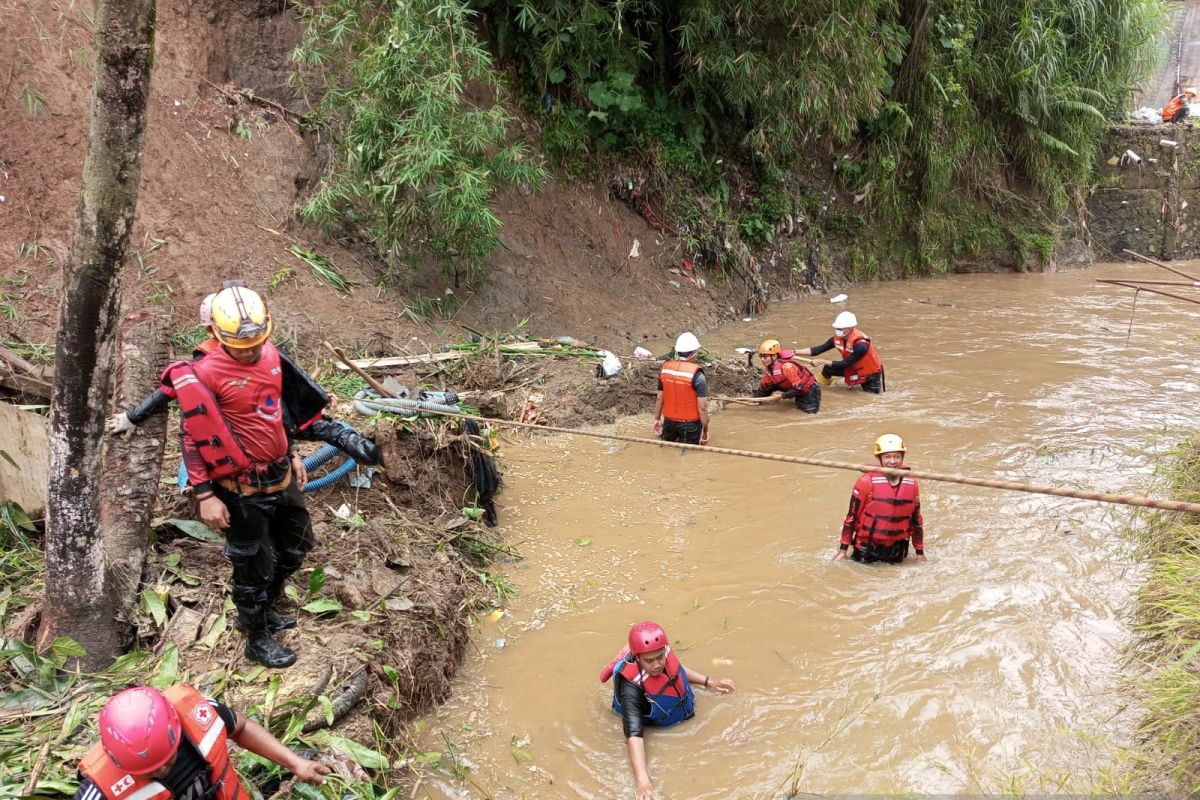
{"points": [[989, 483]]}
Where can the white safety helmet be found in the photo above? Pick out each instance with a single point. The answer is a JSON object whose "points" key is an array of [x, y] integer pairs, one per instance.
{"points": [[687, 343], [206, 310], [845, 321]]}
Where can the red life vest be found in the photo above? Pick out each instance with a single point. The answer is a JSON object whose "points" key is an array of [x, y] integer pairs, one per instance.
{"points": [[679, 396], [669, 694], [1172, 108], [885, 517], [203, 422], [787, 374], [866, 366], [202, 726]]}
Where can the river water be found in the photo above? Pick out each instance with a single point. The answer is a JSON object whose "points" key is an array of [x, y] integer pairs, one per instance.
{"points": [[996, 664]]}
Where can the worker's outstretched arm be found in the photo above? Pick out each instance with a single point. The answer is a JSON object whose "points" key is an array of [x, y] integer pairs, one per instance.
{"points": [[658, 407], [254, 737], [637, 760], [703, 403]]}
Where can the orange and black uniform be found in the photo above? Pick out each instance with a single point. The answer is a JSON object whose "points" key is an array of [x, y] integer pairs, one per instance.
{"points": [[270, 530], [683, 386], [1176, 110], [883, 518], [860, 364], [191, 777], [795, 381]]}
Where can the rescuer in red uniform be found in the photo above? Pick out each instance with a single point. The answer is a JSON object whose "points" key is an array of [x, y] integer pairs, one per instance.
{"points": [[172, 746], [241, 466], [790, 379], [885, 511]]}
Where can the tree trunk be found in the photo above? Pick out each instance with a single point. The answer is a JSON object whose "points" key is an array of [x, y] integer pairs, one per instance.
{"points": [[77, 604], [132, 466]]}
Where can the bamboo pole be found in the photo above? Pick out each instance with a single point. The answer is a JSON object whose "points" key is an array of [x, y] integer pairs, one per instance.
{"points": [[1149, 260], [1128, 285], [1123, 281], [990, 483]]}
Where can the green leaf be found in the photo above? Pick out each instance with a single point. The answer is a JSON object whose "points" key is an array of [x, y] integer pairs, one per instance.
{"points": [[361, 616], [9, 459], [195, 529], [214, 632], [316, 581], [557, 75], [155, 603], [365, 756], [327, 705], [168, 669], [292, 593], [65, 647], [324, 605], [582, 541]]}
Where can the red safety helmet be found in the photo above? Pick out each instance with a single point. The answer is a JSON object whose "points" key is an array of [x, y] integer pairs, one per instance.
{"points": [[646, 637], [140, 730]]}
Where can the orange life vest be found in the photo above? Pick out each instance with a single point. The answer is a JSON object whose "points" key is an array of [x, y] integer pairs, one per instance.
{"points": [[1172, 108], [866, 366], [886, 513], [205, 347], [787, 374], [203, 421], [202, 726], [679, 396]]}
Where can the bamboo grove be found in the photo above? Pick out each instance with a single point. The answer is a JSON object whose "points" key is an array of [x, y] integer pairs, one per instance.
{"points": [[945, 119]]}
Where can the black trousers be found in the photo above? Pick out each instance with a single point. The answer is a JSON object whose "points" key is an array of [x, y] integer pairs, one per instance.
{"points": [[686, 432], [872, 384], [892, 554], [267, 539], [810, 401]]}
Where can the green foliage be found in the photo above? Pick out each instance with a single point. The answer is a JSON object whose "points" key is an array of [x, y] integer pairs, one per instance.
{"points": [[418, 159]]}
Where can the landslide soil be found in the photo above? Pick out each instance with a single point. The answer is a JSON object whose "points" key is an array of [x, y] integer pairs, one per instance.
{"points": [[221, 178]]}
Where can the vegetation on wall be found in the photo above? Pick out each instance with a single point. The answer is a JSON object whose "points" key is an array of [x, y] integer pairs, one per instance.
{"points": [[418, 158], [958, 126]]}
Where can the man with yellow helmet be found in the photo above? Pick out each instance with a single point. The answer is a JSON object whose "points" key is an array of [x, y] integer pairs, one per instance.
{"points": [[885, 511], [787, 378], [240, 463]]}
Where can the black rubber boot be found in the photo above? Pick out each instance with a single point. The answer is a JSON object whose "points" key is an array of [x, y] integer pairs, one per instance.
{"points": [[346, 439], [262, 647], [276, 622]]}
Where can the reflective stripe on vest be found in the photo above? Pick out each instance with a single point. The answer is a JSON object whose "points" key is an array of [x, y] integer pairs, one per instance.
{"points": [[858, 372], [202, 726], [679, 396], [887, 517]]}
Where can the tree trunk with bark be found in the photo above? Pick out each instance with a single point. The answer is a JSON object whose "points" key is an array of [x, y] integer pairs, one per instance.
{"points": [[131, 466], [77, 604]]}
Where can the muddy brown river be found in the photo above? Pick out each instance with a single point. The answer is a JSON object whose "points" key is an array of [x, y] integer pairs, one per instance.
{"points": [[996, 664]]}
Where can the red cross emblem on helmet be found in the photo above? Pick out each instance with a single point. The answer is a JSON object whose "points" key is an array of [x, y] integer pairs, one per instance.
{"points": [[204, 715]]}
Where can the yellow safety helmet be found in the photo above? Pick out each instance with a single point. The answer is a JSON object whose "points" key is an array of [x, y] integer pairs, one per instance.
{"points": [[240, 318], [769, 347], [889, 443]]}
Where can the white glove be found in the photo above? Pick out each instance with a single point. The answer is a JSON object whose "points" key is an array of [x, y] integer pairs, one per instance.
{"points": [[121, 424]]}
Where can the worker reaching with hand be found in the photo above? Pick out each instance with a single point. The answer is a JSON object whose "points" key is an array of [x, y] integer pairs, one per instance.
{"points": [[885, 511], [651, 687], [859, 364], [784, 379], [173, 746]]}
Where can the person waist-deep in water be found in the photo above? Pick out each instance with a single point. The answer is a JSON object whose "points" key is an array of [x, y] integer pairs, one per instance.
{"points": [[859, 364], [651, 688], [784, 379], [885, 511], [172, 745], [681, 403]]}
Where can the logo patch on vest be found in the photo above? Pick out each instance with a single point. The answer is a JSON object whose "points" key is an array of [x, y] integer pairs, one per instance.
{"points": [[121, 785], [203, 714]]}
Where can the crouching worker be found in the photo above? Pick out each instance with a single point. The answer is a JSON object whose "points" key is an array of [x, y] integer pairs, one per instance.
{"points": [[172, 746], [651, 687], [885, 511], [788, 378]]}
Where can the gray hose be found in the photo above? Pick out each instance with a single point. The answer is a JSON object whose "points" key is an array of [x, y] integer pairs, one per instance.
{"points": [[371, 406]]}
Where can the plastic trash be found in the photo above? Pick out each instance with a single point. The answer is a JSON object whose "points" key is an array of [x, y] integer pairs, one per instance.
{"points": [[841, 298], [642, 353], [610, 365], [1168, 143]]}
